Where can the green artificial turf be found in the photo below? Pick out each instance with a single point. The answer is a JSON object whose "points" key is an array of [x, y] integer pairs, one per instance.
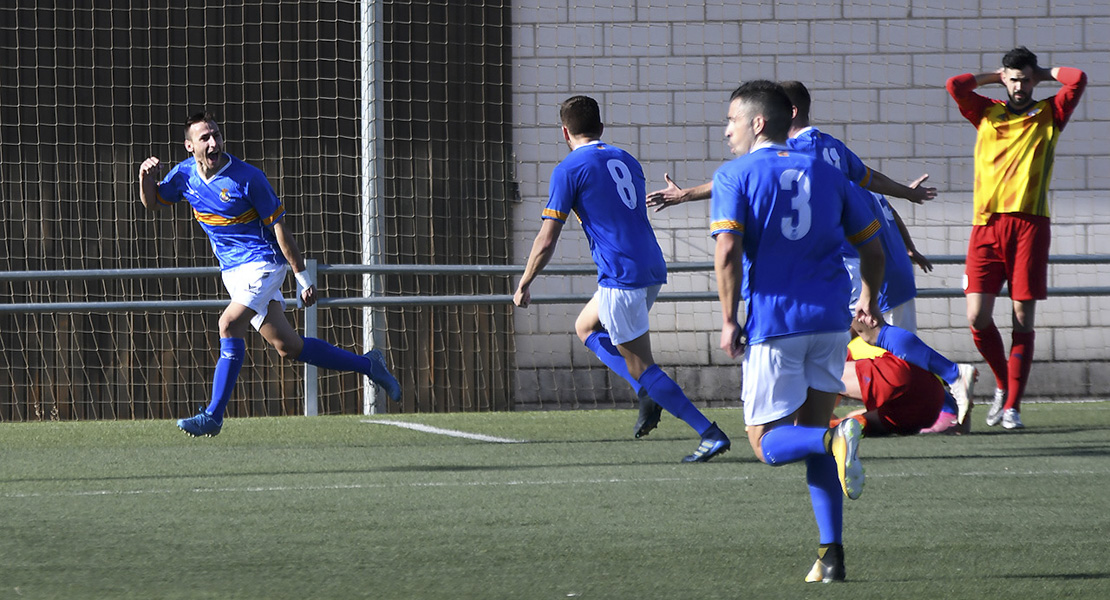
{"points": [[334, 507]]}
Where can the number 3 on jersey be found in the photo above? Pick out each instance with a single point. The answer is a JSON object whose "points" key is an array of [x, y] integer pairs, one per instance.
{"points": [[623, 178], [797, 224]]}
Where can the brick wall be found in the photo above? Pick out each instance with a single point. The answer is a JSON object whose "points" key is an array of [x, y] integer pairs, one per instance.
{"points": [[662, 72]]}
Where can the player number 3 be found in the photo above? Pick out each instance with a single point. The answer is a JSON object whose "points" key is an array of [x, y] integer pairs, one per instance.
{"points": [[796, 225]]}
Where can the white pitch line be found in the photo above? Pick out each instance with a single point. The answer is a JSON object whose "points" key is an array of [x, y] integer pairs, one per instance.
{"points": [[448, 432], [513, 483]]}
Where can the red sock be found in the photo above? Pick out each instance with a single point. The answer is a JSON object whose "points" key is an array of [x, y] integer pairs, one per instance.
{"points": [[1021, 358], [989, 343]]}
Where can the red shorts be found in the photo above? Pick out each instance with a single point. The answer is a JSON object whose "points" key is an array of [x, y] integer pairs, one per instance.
{"points": [[1010, 248], [907, 398]]}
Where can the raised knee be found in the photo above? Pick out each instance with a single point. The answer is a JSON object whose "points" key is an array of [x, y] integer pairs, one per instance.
{"points": [[287, 349]]}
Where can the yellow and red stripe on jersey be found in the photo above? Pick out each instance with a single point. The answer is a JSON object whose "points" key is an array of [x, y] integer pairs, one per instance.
{"points": [[219, 220], [1013, 161], [274, 217], [726, 225], [550, 213], [867, 232]]}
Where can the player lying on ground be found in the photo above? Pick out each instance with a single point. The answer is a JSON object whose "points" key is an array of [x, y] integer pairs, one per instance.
{"points": [[899, 398]]}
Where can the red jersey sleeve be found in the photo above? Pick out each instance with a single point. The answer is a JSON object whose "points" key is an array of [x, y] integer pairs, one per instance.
{"points": [[1074, 82], [971, 104]]}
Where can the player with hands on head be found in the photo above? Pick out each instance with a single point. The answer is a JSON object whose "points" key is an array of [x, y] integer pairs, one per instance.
{"points": [[1014, 152], [779, 218], [239, 211], [604, 186]]}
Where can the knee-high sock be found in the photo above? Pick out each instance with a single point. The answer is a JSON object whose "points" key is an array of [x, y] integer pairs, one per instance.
{"points": [[790, 443], [666, 393], [826, 497], [908, 347], [600, 344], [232, 351], [1021, 359], [322, 354], [989, 342]]}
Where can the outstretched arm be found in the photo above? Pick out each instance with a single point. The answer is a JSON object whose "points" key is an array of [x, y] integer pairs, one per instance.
{"points": [[543, 248], [881, 184], [672, 194]]}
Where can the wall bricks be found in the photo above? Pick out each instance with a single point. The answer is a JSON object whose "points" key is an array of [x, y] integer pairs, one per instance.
{"points": [[663, 71]]}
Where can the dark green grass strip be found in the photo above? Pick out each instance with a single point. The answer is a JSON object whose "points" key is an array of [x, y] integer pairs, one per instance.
{"points": [[331, 507]]}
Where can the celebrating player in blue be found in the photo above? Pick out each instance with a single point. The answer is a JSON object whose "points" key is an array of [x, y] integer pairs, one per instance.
{"points": [[604, 186], [244, 219], [780, 218]]}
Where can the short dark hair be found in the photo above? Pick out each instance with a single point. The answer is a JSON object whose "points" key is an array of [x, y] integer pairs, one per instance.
{"points": [[770, 101], [1019, 58], [200, 117], [581, 116], [799, 97]]}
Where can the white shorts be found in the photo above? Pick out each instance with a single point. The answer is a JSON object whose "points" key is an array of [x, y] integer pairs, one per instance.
{"points": [[255, 285], [904, 315], [852, 265], [624, 313], [779, 372]]}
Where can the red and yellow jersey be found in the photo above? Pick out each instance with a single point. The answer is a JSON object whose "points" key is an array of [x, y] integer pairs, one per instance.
{"points": [[1014, 152]]}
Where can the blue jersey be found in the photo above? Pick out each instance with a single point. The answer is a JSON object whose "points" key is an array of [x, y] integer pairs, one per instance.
{"points": [[604, 186], [237, 208], [898, 278], [833, 151], [793, 212]]}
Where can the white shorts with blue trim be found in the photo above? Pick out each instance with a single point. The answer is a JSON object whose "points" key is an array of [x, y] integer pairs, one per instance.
{"points": [[255, 285], [624, 313], [778, 373]]}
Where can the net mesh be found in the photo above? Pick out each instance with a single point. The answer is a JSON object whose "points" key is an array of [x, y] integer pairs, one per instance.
{"points": [[466, 137]]}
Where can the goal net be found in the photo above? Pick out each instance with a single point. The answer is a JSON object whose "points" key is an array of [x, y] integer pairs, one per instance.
{"points": [[415, 133]]}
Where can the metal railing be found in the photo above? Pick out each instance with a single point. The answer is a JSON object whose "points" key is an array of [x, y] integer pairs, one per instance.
{"points": [[317, 270]]}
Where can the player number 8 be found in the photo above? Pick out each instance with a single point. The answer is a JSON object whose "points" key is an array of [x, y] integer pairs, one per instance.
{"points": [[623, 178]]}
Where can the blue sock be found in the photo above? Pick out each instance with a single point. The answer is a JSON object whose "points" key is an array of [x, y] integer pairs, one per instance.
{"points": [[666, 393], [949, 405], [790, 443], [322, 354], [232, 351], [826, 496], [910, 348], [600, 344]]}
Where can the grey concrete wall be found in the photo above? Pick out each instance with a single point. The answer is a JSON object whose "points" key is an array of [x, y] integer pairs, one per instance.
{"points": [[662, 71]]}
